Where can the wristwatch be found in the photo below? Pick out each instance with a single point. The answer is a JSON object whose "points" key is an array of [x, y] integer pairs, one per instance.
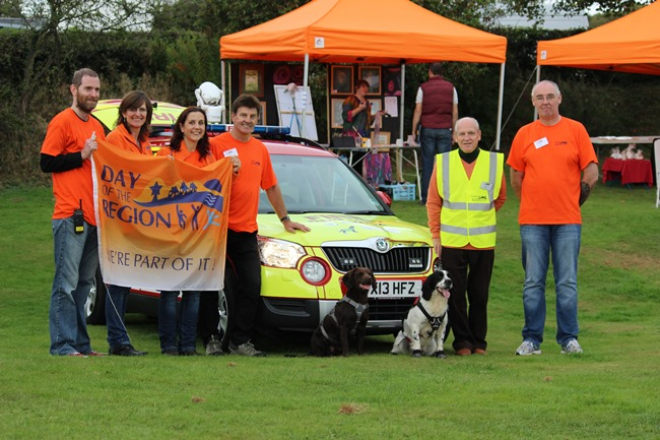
{"points": [[285, 218]]}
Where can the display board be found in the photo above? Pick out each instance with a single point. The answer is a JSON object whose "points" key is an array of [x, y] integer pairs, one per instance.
{"points": [[290, 110]]}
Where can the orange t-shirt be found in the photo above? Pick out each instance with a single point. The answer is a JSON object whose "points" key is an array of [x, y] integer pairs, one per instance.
{"points": [[256, 173], [552, 159], [184, 155], [67, 134], [121, 138]]}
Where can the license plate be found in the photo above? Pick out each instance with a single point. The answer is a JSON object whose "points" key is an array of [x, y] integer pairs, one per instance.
{"points": [[397, 289]]}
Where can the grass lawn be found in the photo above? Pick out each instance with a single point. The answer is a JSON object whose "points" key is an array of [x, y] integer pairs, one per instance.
{"points": [[609, 392]]}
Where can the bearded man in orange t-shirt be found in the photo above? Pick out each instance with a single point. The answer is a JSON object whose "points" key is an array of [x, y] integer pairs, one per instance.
{"points": [[553, 168], [69, 144], [243, 259]]}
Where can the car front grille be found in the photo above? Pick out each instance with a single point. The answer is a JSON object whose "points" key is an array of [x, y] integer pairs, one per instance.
{"points": [[389, 309], [397, 260]]}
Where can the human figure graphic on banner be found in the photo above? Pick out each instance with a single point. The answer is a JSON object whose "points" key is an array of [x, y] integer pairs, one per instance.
{"points": [[194, 223], [182, 217]]}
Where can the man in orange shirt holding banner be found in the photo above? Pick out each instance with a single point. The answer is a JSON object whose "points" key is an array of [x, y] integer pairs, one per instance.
{"points": [[553, 168], [242, 247], [70, 141]]}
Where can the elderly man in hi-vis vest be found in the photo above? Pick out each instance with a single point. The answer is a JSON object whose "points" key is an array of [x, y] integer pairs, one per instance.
{"points": [[467, 188]]}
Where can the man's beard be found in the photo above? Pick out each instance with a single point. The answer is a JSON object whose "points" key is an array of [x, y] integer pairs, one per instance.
{"points": [[86, 104]]}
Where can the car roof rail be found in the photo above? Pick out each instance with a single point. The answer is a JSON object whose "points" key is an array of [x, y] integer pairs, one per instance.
{"points": [[269, 132]]}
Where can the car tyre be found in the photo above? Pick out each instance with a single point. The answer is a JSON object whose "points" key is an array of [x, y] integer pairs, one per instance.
{"points": [[226, 309], [95, 304]]}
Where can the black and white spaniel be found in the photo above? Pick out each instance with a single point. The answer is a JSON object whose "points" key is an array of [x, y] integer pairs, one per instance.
{"points": [[425, 326]]}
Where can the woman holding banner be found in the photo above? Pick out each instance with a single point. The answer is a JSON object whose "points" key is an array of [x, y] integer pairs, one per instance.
{"points": [[190, 143], [131, 133]]}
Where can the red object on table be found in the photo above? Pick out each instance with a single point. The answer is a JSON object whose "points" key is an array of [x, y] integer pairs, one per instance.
{"points": [[630, 171]]}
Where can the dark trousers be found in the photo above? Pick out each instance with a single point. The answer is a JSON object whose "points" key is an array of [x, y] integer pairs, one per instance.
{"points": [[470, 270], [242, 287]]}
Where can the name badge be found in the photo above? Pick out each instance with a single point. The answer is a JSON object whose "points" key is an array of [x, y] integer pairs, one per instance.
{"points": [[486, 186], [230, 153], [541, 143]]}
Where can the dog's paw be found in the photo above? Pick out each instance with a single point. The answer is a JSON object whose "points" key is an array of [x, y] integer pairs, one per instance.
{"points": [[417, 353], [440, 354]]}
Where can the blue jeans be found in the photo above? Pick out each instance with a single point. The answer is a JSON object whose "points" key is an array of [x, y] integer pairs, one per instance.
{"points": [[76, 261], [433, 141], [537, 243], [115, 309], [185, 324]]}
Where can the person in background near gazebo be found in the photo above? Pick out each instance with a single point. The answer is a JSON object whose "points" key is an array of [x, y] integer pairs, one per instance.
{"points": [[356, 114], [436, 107]]}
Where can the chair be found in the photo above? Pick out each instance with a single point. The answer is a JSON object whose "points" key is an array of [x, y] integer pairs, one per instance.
{"points": [[656, 153]]}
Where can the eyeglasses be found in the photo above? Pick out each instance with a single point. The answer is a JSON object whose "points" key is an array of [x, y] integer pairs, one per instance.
{"points": [[541, 98]]}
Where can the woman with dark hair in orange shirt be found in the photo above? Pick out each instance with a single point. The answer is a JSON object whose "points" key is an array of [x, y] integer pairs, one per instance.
{"points": [[131, 133], [190, 143]]}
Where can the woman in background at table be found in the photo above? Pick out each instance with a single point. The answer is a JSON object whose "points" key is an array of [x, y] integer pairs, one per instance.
{"points": [[131, 134], [356, 114], [190, 143]]}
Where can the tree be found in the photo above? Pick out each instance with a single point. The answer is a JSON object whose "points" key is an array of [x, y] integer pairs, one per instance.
{"points": [[609, 7], [48, 19]]}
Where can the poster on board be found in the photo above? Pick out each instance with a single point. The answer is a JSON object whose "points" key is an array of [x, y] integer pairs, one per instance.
{"points": [[290, 104]]}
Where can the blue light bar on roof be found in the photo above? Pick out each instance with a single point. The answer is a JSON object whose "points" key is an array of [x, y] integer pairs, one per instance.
{"points": [[258, 129]]}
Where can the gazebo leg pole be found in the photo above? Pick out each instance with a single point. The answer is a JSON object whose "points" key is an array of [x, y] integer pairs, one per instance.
{"points": [[305, 97], [399, 152], [499, 109]]}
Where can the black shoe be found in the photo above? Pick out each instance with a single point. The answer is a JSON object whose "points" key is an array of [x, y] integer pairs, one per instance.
{"points": [[126, 350], [188, 353], [170, 352]]}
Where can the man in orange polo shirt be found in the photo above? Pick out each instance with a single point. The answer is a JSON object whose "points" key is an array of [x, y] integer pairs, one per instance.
{"points": [[242, 247], [553, 168], [70, 141]]}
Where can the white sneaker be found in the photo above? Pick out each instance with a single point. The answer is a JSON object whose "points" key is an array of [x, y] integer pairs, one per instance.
{"points": [[527, 348], [214, 347], [246, 349], [571, 347]]}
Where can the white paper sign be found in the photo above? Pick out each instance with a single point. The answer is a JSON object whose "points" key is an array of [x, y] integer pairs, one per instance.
{"points": [[391, 107]]}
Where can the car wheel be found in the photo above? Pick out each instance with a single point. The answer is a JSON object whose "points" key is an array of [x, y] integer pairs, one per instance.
{"points": [[95, 304], [226, 310], [223, 311]]}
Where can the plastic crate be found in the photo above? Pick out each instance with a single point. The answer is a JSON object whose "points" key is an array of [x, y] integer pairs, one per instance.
{"points": [[403, 192]]}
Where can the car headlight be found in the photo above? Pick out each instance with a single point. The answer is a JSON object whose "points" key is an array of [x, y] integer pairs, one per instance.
{"points": [[280, 253], [315, 271]]}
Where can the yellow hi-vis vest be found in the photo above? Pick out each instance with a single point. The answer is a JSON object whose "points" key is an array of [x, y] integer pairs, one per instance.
{"points": [[468, 209]]}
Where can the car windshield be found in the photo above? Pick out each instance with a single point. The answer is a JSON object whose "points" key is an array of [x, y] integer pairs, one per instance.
{"points": [[321, 184]]}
